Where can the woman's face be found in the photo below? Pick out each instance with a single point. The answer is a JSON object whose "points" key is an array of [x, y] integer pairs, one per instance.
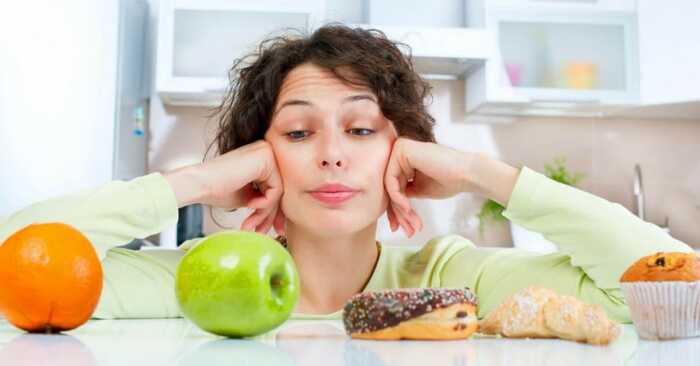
{"points": [[324, 131]]}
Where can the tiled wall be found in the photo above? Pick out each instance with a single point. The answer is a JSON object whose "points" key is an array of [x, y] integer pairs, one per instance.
{"points": [[604, 150]]}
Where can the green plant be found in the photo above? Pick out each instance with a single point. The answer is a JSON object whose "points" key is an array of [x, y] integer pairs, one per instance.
{"points": [[557, 171], [490, 211], [493, 211]]}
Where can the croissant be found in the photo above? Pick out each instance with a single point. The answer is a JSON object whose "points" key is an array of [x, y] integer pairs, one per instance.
{"points": [[536, 312]]}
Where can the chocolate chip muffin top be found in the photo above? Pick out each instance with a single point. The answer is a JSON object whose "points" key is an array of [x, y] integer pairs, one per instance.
{"points": [[664, 266]]}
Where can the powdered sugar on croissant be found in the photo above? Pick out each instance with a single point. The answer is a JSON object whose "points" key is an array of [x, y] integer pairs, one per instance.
{"points": [[537, 312]]}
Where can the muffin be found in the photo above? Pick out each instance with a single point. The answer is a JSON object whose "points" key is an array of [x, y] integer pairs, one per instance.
{"points": [[663, 294]]}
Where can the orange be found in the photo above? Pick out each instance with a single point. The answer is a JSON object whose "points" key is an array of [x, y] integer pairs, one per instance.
{"points": [[50, 278]]}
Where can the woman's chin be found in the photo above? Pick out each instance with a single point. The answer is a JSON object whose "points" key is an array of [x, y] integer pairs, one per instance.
{"points": [[333, 226], [334, 220]]}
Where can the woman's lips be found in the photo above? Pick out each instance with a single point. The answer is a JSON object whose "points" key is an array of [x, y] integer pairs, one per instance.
{"points": [[333, 197]]}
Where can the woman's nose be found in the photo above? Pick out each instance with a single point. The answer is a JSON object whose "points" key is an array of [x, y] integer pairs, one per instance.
{"points": [[326, 163], [331, 152]]}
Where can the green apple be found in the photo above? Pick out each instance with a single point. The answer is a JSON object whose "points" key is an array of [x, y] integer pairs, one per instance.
{"points": [[237, 284]]}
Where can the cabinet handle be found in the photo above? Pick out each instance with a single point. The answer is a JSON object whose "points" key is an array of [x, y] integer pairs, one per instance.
{"points": [[564, 101], [566, 1]]}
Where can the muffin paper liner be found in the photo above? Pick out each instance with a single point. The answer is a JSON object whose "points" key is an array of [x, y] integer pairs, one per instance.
{"points": [[664, 310]]}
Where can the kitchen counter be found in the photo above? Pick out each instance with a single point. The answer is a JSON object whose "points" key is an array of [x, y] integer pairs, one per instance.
{"points": [[312, 342]]}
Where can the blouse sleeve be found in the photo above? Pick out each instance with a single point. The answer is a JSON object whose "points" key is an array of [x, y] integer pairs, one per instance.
{"points": [[110, 215], [600, 237], [597, 240]]}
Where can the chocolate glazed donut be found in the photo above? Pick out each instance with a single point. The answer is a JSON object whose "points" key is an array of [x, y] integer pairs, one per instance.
{"points": [[419, 313]]}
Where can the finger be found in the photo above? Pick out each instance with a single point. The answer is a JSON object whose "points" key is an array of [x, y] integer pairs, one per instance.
{"points": [[412, 218], [279, 222], [397, 194], [412, 190], [266, 199], [266, 224], [416, 221], [259, 202], [276, 190], [247, 223], [271, 182], [400, 218], [408, 229], [393, 221], [252, 220], [395, 183], [403, 221]]}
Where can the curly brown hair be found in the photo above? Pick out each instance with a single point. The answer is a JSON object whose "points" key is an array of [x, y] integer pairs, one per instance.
{"points": [[374, 62]]}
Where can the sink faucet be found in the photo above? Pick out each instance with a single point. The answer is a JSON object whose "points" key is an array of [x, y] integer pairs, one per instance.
{"points": [[639, 197], [639, 191]]}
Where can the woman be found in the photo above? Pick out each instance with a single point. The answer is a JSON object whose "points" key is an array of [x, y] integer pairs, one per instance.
{"points": [[321, 136]]}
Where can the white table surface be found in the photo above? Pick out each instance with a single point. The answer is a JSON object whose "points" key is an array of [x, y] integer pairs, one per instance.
{"points": [[310, 342]]}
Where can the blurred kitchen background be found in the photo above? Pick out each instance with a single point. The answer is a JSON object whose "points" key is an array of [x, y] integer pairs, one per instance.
{"points": [[92, 91]]}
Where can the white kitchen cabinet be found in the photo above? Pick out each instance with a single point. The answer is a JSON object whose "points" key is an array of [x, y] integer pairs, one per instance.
{"points": [[415, 13], [555, 60], [441, 53], [439, 37], [644, 55], [198, 41], [572, 58], [570, 6], [669, 48]]}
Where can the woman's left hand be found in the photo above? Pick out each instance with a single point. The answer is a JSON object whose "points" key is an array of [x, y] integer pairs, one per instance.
{"points": [[422, 170]]}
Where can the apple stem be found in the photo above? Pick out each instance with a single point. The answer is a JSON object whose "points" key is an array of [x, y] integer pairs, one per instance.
{"points": [[277, 281]]}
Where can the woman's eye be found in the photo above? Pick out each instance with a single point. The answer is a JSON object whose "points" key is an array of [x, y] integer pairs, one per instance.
{"points": [[296, 135], [301, 134], [361, 131]]}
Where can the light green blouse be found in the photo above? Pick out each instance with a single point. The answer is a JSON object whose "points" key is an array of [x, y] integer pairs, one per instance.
{"points": [[597, 241]]}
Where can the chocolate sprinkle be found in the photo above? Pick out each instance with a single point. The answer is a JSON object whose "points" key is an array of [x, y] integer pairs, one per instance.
{"points": [[371, 311]]}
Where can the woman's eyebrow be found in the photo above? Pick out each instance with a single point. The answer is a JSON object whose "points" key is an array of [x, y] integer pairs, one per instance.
{"points": [[352, 98]]}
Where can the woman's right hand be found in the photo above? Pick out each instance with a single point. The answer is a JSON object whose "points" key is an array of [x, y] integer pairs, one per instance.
{"points": [[245, 177]]}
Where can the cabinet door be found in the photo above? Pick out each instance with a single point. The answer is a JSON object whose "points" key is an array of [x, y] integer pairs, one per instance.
{"points": [[669, 47], [571, 58], [569, 5], [198, 41]]}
